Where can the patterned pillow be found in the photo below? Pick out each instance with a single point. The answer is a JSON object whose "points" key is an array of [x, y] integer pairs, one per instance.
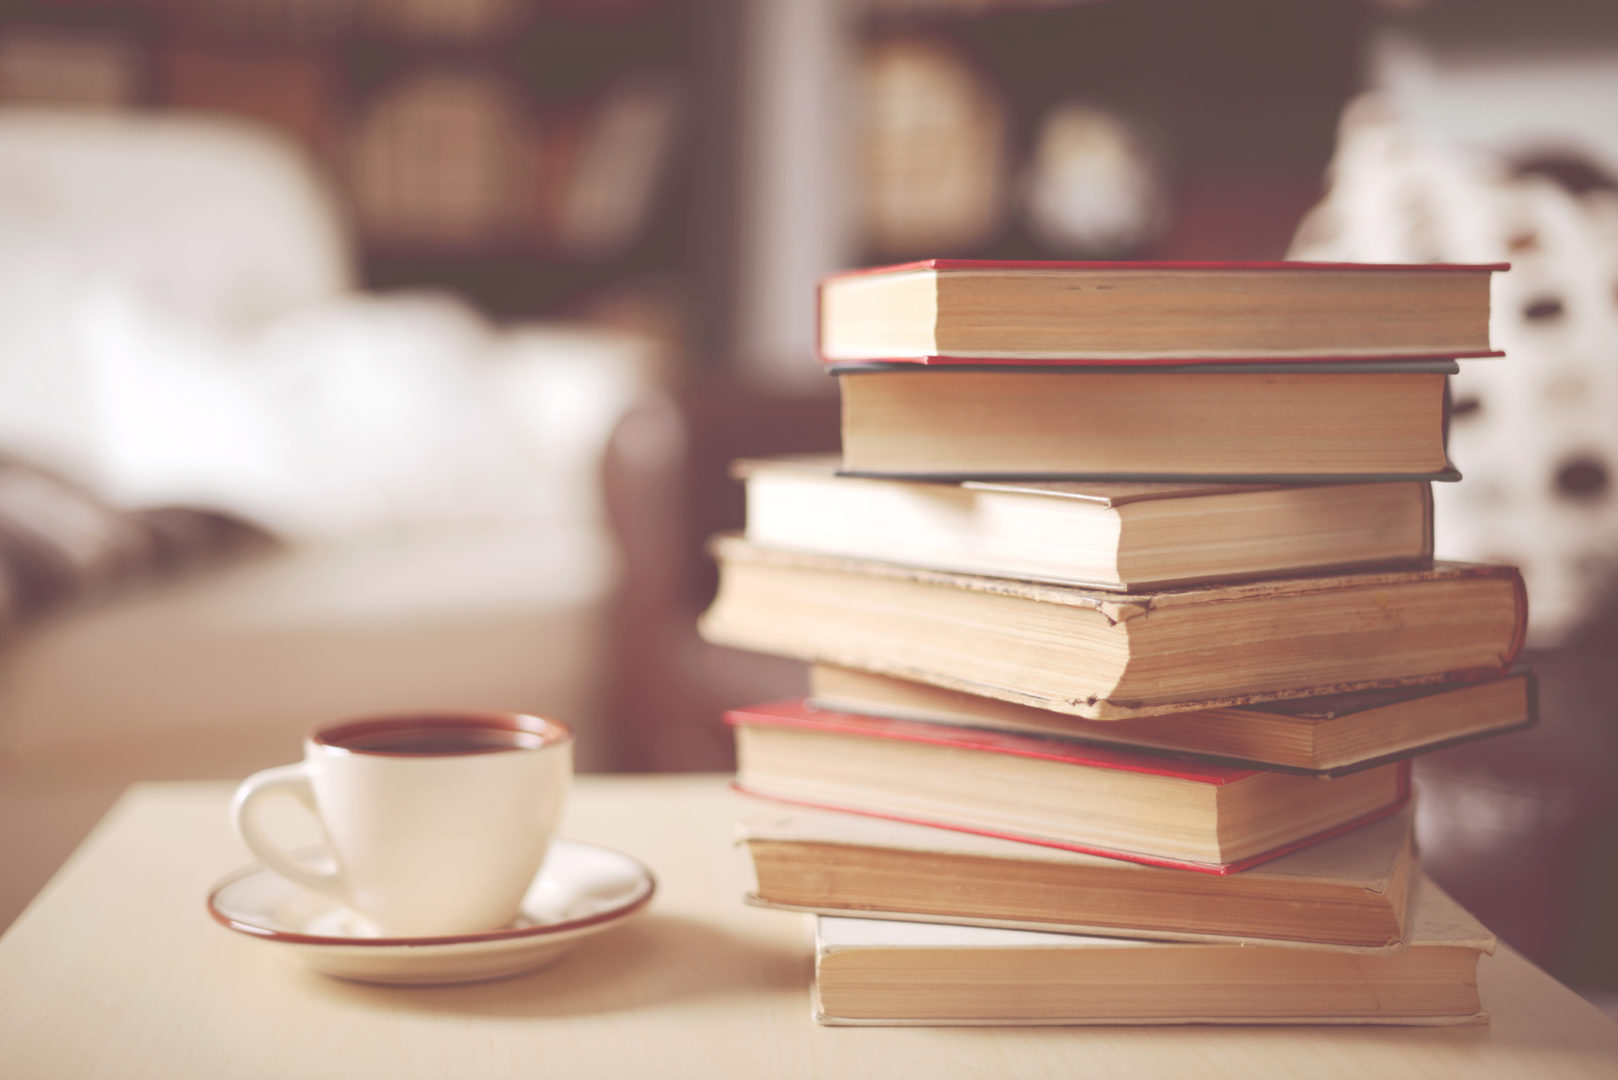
{"points": [[1535, 435]]}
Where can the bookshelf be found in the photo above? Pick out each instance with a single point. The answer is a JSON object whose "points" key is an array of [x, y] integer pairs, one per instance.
{"points": [[1231, 108], [534, 155]]}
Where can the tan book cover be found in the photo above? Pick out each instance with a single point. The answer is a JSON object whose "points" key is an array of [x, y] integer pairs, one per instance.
{"points": [[1329, 736], [1100, 534], [1348, 892], [1234, 423], [1105, 655], [872, 972], [951, 311]]}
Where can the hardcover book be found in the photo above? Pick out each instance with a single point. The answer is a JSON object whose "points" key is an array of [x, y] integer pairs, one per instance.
{"points": [[1225, 423], [1106, 535], [1108, 656], [883, 973], [1350, 891], [944, 311], [1330, 735], [1150, 808]]}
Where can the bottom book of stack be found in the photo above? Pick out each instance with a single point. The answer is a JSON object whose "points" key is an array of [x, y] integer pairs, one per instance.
{"points": [[917, 926], [880, 972]]}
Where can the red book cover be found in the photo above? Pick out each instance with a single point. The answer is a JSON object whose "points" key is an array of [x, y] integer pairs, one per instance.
{"points": [[1030, 264], [1164, 264], [801, 714]]}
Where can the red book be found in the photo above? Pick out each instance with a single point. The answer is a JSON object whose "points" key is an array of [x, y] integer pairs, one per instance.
{"points": [[959, 311], [1143, 807]]}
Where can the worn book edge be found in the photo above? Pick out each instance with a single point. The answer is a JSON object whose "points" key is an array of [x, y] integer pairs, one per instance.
{"points": [[1122, 493], [1518, 671], [1115, 606], [1144, 859], [1084, 929], [827, 828]]}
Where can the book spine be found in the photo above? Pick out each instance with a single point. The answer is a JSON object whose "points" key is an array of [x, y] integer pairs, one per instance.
{"points": [[1519, 637], [820, 306], [1427, 516]]}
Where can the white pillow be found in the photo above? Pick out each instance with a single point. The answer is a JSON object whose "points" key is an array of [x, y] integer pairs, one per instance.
{"points": [[359, 415]]}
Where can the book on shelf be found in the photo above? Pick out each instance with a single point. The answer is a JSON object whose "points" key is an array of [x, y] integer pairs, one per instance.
{"points": [[622, 156], [1107, 535], [943, 311], [1350, 891], [1215, 423], [411, 192], [1330, 734], [295, 91], [874, 972], [1107, 655], [60, 65], [1152, 808], [932, 163]]}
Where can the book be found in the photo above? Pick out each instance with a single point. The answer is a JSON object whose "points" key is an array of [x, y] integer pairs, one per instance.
{"points": [[295, 91], [620, 163], [956, 310], [63, 65], [1107, 535], [1150, 808], [1105, 655], [1350, 891], [1331, 734], [933, 168], [409, 194], [873, 972], [1236, 423]]}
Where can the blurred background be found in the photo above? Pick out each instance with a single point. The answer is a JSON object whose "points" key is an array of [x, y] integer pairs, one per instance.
{"points": [[376, 354]]}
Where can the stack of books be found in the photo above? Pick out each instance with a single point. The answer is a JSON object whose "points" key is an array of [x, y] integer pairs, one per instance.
{"points": [[1124, 627]]}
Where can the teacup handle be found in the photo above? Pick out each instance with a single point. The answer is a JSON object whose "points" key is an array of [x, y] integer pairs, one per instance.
{"points": [[283, 780]]}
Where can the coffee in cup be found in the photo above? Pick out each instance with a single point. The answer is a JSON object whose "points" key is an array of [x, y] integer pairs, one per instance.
{"points": [[437, 823]]}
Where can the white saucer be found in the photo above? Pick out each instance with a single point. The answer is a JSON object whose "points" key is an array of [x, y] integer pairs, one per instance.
{"points": [[581, 890]]}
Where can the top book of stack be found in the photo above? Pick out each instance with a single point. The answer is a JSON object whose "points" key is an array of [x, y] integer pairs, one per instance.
{"points": [[949, 311]]}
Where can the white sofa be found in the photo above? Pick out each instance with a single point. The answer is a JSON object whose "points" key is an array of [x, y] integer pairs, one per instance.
{"points": [[484, 598]]}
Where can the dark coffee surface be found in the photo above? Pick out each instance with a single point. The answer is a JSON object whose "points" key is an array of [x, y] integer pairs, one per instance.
{"points": [[429, 741]]}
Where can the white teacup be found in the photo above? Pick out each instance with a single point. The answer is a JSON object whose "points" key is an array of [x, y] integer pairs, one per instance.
{"points": [[437, 822]]}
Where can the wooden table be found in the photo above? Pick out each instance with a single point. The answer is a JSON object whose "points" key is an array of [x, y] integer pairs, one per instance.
{"points": [[117, 971]]}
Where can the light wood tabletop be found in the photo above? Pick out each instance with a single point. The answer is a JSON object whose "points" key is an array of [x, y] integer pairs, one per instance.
{"points": [[116, 970]]}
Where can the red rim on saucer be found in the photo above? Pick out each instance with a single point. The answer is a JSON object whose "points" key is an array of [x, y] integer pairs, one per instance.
{"points": [[289, 937]]}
